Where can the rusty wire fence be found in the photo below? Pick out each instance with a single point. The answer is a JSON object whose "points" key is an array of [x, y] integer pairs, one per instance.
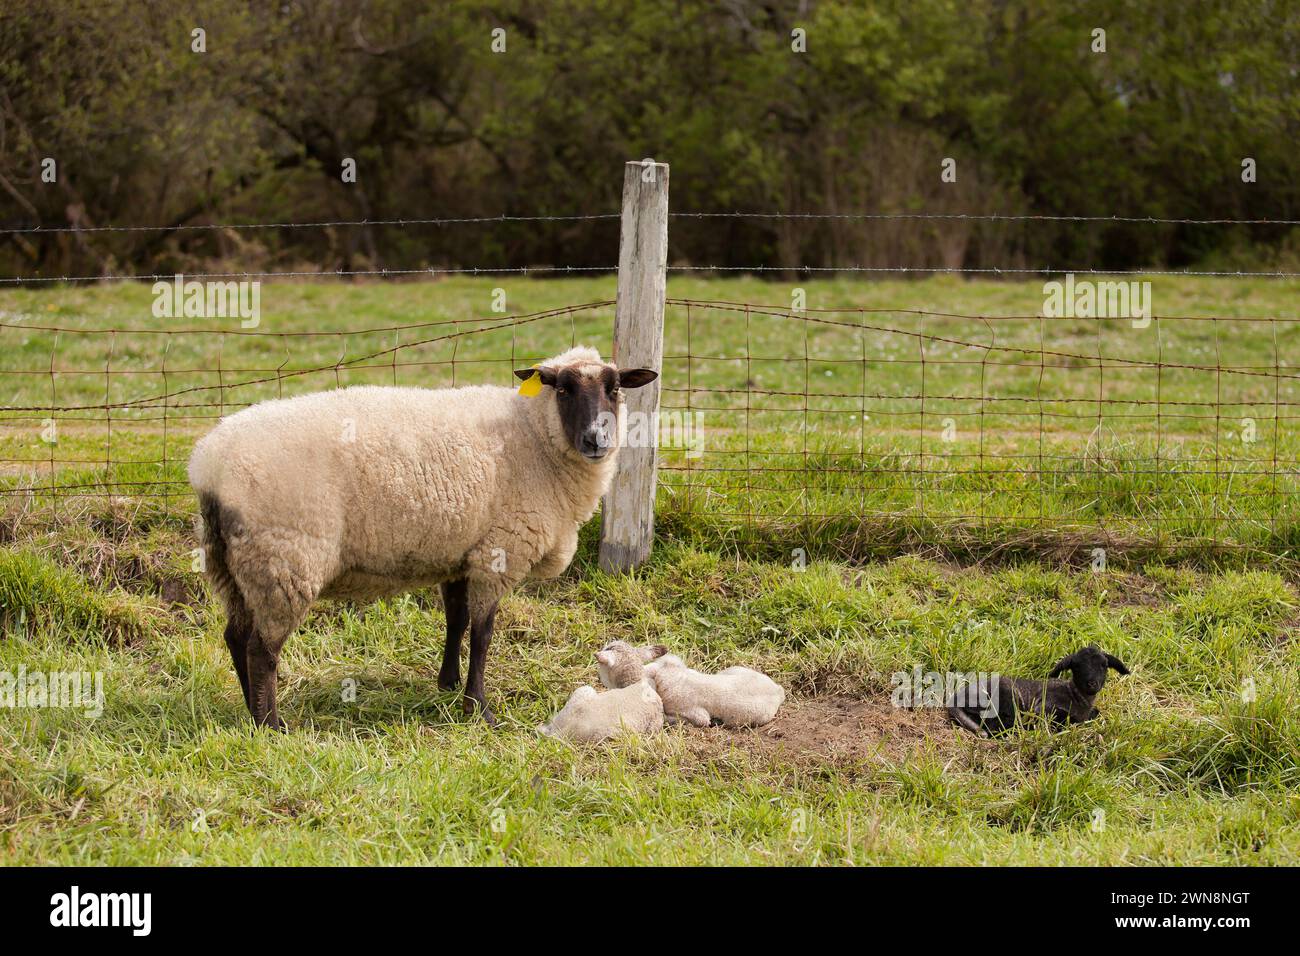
{"points": [[851, 430], [782, 429], [113, 412], [870, 430]]}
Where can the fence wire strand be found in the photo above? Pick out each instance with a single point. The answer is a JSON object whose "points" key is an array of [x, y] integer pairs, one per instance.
{"points": [[873, 425], [34, 229]]}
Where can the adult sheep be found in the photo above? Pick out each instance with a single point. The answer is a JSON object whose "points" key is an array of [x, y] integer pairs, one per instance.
{"points": [[371, 491]]}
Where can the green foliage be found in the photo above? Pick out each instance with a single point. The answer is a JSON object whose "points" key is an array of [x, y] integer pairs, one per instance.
{"points": [[170, 773], [36, 595], [256, 128], [1195, 759]]}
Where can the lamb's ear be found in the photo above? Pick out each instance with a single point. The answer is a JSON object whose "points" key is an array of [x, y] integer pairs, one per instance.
{"points": [[636, 377], [653, 653], [1115, 664], [547, 374], [1064, 664]]}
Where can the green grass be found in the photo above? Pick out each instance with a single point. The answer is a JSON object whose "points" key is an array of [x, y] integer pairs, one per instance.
{"points": [[1196, 758], [1009, 431]]}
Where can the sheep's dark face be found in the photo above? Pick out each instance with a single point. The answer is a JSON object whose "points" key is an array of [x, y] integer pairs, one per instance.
{"points": [[587, 397], [1088, 669]]}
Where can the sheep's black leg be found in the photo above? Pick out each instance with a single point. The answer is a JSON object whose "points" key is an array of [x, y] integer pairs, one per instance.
{"points": [[238, 630], [262, 664], [480, 635], [455, 602], [963, 719]]}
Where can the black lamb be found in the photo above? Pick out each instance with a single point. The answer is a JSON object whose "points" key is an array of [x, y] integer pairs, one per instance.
{"points": [[1061, 701]]}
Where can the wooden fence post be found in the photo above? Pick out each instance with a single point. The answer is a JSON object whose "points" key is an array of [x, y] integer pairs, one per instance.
{"points": [[628, 514]]}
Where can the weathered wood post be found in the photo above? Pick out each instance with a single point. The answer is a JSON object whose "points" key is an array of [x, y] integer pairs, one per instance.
{"points": [[628, 515]]}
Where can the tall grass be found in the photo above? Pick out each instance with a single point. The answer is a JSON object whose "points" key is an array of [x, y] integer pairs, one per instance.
{"points": [[876, 548]]}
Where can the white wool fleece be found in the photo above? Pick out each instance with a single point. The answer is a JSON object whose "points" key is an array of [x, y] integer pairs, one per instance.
{"points": [[736, 697], [368, 491], [591, 717]]}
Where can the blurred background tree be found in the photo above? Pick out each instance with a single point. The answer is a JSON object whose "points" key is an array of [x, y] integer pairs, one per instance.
{"points": [[144, 131]]}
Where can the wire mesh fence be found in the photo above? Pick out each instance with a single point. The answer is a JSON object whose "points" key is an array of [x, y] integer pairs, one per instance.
{"points": [[114, 411], [857, 430], [868, 430], [783, 428]]}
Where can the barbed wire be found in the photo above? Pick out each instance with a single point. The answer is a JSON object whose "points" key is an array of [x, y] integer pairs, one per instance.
{"points": [[544, 270], [28, 229], [990, 270], [332, 274], [291, 333], [979, 316], [319, 224], [989, 217]]}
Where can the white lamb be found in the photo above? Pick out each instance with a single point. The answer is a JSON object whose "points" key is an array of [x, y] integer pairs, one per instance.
{"points": [[370, 491], [591, 717], [736, 697]]}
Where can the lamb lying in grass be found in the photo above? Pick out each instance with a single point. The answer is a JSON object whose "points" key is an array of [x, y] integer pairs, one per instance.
{"points": [[591, 717], [736, 697], [1061, 701]]}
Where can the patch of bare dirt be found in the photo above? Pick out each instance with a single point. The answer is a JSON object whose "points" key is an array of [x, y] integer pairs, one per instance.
{"points": [[1135, 590], [836, 731], [1288, 629], [179, 592]]}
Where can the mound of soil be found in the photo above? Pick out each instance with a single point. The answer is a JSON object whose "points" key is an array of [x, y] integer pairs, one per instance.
{"points": [[837, 731]]}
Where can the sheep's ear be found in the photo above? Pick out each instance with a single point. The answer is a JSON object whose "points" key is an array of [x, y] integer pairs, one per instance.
{"points": [[1064, 664], [1115, 664], [636, 377], [653, 653], [547, 374]]}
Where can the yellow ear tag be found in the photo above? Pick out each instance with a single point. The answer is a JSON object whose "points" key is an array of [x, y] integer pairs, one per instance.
{"points": [[531, 386]]}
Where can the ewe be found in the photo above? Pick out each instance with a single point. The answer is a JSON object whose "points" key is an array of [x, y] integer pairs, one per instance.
{"points": [[370, 491]]}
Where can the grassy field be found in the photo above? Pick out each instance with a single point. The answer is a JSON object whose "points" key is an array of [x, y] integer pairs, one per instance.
{"points": [[951, 413], [964, 554]]}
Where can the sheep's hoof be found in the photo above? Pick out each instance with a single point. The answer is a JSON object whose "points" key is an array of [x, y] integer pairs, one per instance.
{"points": [[448, 683], [471, 706]]}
